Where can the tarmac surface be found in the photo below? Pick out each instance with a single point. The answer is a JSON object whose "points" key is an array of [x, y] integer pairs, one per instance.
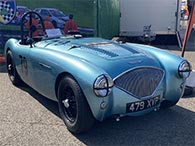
{"points": [[28, 118]]}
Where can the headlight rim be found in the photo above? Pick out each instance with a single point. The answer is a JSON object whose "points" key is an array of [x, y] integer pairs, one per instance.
{"points": [[108, 88], [181, 69]]}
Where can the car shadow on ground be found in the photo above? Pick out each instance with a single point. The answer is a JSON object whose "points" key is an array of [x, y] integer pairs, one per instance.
{"points": [[189, 92], [164, 127], [47, 103]]}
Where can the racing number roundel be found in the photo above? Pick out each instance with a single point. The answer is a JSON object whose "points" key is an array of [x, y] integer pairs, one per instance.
{"points": [[7, 11]]}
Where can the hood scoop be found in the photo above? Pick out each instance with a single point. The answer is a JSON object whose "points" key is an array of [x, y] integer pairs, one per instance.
{"points": [[81, 47]]}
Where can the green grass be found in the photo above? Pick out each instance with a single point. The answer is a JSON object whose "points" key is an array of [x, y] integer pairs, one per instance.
{"points": [[82, 9]]}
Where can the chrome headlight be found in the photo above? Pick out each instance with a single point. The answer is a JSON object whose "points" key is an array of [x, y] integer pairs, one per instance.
{"points": [[184, 69], [103, 85]]}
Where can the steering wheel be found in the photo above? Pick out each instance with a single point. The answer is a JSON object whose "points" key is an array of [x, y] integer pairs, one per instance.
{"points": [[32, 28]]}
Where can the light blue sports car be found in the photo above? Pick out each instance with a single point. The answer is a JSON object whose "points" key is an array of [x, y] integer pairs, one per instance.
{"points": [[93, 78]]}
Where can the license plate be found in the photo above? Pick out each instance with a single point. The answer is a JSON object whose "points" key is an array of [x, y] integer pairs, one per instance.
{"points": [[142, 105]]}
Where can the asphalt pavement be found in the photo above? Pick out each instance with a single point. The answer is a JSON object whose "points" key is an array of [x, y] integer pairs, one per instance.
{"points": [[29, 119]]}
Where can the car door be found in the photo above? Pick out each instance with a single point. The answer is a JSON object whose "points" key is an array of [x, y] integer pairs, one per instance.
{"points": [[22, 61], [42, 72]]}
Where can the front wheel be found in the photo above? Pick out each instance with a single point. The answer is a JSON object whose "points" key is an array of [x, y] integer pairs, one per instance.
{"points": [[73, 107]]}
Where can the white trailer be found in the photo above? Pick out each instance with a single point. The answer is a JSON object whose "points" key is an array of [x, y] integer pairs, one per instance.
{"points": [[148, 18]]}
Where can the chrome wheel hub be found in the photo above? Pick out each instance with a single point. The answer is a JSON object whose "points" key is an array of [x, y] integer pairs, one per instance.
{"points": [[66, 103]]}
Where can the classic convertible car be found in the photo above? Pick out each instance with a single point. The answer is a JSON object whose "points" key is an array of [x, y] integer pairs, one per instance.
{"points": [[93, 78]]}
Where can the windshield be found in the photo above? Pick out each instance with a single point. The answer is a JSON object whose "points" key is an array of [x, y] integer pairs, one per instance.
{"points": [[57, 13]]}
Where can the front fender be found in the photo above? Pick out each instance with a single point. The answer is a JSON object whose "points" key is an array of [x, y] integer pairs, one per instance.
{"points": [[174, 85], [84, 72]]}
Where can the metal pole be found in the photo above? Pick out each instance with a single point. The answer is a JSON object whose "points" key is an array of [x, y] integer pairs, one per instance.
{"points": [[188, 29]]}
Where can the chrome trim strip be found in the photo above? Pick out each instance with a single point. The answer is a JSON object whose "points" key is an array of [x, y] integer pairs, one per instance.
{"points": [[44, 65], [135, 69]]}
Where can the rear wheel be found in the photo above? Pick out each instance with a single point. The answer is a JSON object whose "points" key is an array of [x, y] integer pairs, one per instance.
{"points": [[11, 69], [73, 106]]}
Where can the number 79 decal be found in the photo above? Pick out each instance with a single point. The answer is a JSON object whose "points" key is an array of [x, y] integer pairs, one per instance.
{"points": [[24, 66]]}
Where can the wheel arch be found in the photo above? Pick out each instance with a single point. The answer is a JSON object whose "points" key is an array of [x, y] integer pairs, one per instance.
{"points": [[83, 118], [57, 82], [10, 45], [6, 50], [59, 78]]}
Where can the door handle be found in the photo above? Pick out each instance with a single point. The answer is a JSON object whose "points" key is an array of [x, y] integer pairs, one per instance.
{"points": [[20, 56]]}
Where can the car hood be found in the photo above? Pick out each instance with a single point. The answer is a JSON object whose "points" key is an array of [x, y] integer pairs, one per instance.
{"points": [[113, 57]]}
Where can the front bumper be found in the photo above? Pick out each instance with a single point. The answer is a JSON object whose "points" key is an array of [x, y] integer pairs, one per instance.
{"points": [[116, 104], [119, 100], [136, 87]]}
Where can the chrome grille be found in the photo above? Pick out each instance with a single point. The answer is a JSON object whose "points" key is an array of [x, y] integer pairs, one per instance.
{"points": [[140, 82]]}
